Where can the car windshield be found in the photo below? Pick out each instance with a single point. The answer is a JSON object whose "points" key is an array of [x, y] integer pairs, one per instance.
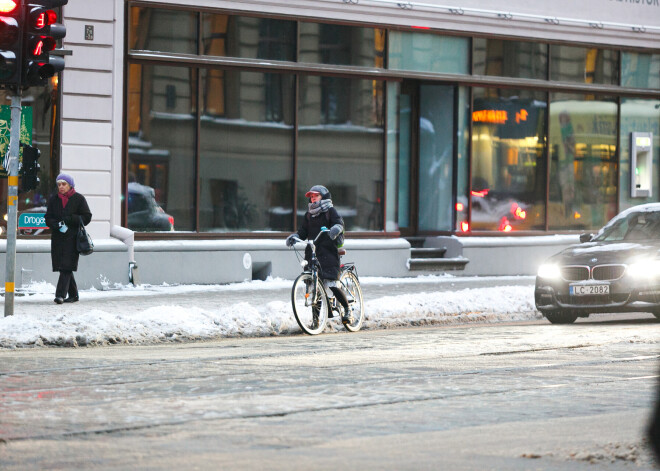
{"points": [[635, 226]]}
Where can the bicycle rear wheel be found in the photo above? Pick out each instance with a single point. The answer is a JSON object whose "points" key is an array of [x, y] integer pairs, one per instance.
{"points": [[310, 306], [351, 286]]}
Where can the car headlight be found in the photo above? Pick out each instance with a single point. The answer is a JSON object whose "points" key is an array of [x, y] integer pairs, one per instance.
{"points": [[549, 271], [644, 269]]}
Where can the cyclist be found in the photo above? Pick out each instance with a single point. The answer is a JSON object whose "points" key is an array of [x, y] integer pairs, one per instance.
{"points": [[322, 213]]}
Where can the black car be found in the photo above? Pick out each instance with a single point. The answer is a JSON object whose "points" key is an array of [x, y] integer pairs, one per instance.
{"points": [[616, 270], [144, 213]]}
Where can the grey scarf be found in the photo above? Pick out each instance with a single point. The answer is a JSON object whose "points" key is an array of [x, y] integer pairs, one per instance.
{"points": [[319, 207]]}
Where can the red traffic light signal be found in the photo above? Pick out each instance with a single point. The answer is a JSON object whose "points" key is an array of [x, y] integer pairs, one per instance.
{"points": [[11, 44], [41, 34], [8, 6]]}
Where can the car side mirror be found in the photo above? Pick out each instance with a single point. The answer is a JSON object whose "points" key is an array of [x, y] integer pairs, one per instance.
{"points": [[586, 237]]}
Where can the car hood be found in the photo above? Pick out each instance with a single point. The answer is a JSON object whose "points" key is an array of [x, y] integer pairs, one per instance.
{"points": [[598, 253]]}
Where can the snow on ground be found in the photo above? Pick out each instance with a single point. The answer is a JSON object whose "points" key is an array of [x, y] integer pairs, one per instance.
{"points": [[154, 323]]}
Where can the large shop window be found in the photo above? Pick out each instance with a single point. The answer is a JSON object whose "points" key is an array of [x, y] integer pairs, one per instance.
{"points": [[161, 148], [504, 58], [638, 115], [583, 161], [584, 65], [40, 127], [508, 168], [340, 145], [246, 152]]}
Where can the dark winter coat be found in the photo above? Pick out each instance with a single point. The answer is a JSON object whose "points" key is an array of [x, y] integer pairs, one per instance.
{"points": [[326, 250], [63, 252]]}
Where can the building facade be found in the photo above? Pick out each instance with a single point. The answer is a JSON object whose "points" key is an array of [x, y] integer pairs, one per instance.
{"points": [[200, 125]]}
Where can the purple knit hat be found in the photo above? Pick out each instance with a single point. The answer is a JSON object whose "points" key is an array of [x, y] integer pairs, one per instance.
{"points": [[66, 178]]}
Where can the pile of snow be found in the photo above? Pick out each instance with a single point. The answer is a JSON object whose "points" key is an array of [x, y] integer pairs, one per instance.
{"points": [[178, 323]]}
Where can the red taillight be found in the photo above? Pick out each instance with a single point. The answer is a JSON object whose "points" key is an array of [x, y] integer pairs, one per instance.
{"points": [[459, 206], [171, 219], [505, 225], [481, 193], [517, 211], [465, 227]]}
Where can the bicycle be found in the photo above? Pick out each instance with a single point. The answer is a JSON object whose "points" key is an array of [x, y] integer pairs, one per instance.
{"points": [[311, 304]]}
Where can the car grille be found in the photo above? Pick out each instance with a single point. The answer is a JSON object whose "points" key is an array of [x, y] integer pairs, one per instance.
{"points": [[599, 272], [607, 272], [593, 300], [570, 273]]}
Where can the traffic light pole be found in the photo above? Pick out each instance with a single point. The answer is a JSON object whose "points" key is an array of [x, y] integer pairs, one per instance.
{"points": [[12, 201]]}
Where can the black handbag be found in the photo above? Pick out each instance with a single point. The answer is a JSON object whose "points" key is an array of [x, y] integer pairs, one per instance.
{"points": [[84, 242]]}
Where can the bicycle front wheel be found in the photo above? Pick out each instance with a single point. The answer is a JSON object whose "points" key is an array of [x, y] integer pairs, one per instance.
{"points": [[310, 306], [353, 291]]}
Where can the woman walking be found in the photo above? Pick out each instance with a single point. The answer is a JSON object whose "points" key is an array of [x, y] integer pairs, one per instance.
{"points": [[63, 216]]}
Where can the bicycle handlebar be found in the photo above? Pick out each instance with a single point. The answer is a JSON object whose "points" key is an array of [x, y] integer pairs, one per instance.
{"points": [[323, 229]]}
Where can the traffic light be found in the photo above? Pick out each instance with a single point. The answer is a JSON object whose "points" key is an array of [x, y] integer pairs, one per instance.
{"points": [[41, 33], [11, 40], [31, 167]]}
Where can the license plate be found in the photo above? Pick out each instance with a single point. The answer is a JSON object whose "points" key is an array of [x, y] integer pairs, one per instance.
{"points": [[586, 290]]}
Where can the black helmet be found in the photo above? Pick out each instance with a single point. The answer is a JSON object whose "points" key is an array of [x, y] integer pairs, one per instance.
{"points": [[321, 190]]}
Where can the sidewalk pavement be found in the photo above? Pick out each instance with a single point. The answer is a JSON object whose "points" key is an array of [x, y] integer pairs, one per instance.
{"points": [[148, 314]]}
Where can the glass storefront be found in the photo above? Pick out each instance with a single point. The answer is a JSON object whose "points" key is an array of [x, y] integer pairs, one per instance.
{"points": [[40, 127], [217, 145], [161, 151], [246, 151], [638, 115], [340, 145], [583, 161], [508, 165]]}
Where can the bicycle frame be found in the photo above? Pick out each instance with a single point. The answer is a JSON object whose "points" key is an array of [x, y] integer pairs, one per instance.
{"points": [[315, 265]]}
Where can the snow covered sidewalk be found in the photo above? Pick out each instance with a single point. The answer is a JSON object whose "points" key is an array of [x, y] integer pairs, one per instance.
{"points": [[152, 314]]}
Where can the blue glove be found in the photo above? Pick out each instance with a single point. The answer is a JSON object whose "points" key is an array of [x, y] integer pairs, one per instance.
{"points": [[335, 231], [62, 226], [290, 241]]}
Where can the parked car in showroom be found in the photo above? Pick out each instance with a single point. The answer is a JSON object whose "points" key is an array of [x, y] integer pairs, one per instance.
{"points": [[615, 270]]}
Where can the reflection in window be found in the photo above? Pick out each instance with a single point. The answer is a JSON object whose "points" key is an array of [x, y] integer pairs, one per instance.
{"points": [[640, 70], [341, 45], [463, 157], [248, 37], [163, 30], [40, 127], [583, 161], [436, 157], [426, 52], [508, 171], [246, 154], [638, 115], [509, 58], [584, 65], [346, 153], [161, 147]]}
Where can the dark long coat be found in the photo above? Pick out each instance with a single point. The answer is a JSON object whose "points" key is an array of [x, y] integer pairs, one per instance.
{"points": [[63, 252], [326, 249]]}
